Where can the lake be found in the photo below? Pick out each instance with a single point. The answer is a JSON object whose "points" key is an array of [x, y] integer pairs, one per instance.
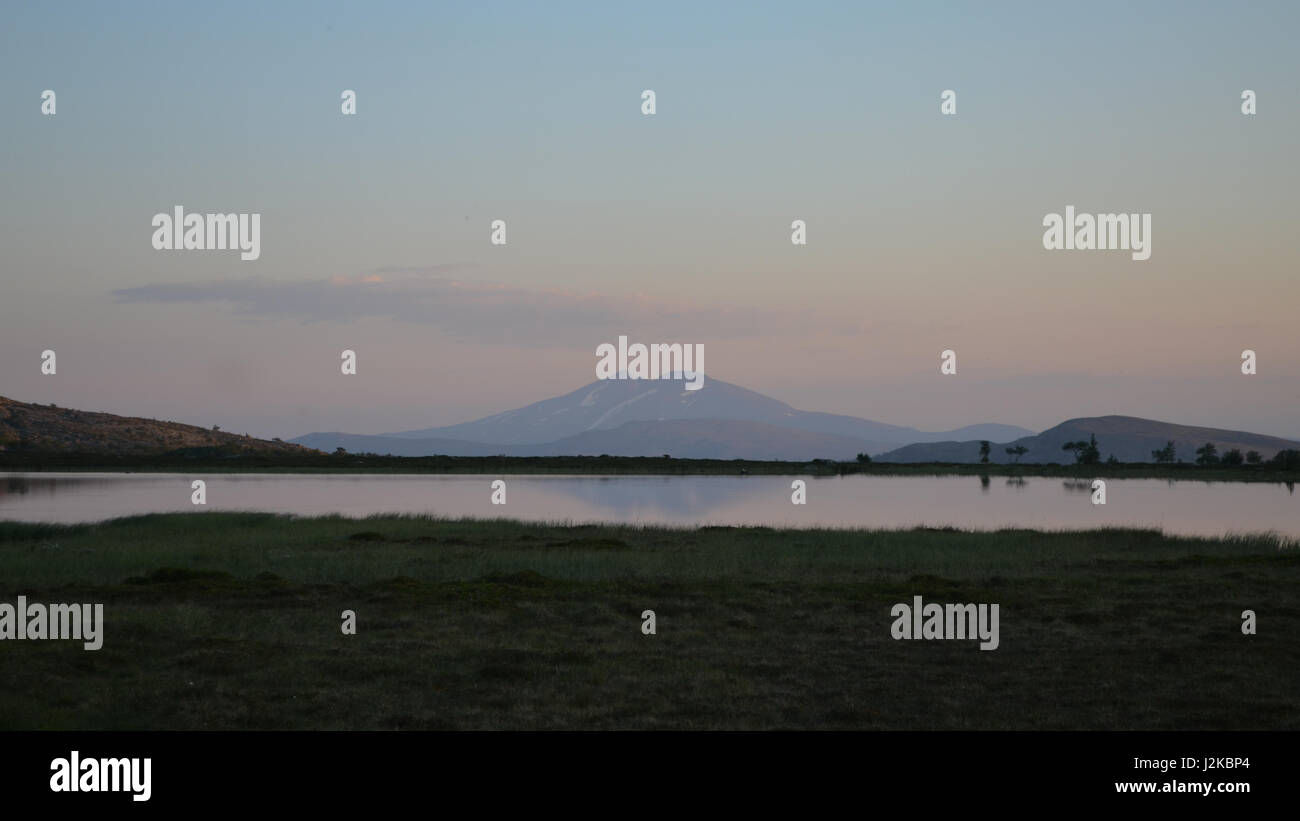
{"points": [[971, 502]]}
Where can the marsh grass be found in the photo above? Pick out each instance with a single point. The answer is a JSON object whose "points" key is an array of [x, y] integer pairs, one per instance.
{"points": [[231, 620]]}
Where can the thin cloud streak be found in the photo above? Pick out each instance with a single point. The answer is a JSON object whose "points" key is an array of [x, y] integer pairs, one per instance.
{"points": [[478, 311]]}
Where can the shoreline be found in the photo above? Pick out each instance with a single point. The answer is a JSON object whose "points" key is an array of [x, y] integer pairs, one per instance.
{"points": [[622, 466]]}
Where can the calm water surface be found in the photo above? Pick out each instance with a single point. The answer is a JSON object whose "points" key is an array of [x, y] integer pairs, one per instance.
{"points": [[1196, 508]]}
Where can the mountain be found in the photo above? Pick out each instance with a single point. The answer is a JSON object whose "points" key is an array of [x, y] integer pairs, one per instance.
{"points": [[47, 429], [609, 405], [1127, 438]]}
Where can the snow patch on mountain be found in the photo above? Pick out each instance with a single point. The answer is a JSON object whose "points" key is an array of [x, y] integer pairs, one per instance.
{"points": [[607, 414]]}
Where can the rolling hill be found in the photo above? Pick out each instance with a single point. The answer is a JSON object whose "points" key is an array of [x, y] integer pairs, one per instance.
{"points": [[26, 427], [1127, 438]]}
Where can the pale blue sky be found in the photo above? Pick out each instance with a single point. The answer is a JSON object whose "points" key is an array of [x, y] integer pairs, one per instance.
{"points": [[924, 231]]}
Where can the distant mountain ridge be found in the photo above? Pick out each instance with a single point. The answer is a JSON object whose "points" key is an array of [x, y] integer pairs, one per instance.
{"points": [[31, 428], [577, 418], [1127, 438]]}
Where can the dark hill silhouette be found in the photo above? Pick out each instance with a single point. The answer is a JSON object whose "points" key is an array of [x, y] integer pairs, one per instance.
{"points": [[1127, 438], [32, 428]]}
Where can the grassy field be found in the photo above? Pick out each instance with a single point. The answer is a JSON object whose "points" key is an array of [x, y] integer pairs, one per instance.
{"points": [[222, 620], [215, 460]]}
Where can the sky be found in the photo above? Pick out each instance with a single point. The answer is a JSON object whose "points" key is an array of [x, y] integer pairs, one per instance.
{"points": [[924, 231]]}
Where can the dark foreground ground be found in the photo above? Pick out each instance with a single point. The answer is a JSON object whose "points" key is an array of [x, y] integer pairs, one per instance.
{"points": [[219, 620]]}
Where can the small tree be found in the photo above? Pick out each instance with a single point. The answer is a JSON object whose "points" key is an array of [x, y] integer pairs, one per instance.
{"points": [[984, 451], [340, 451], [1286, 460], [1253, 457], [1085, 453], [1016, 452], [1165, 454], [1207, 454], [1232, 457], [864, 458]]}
